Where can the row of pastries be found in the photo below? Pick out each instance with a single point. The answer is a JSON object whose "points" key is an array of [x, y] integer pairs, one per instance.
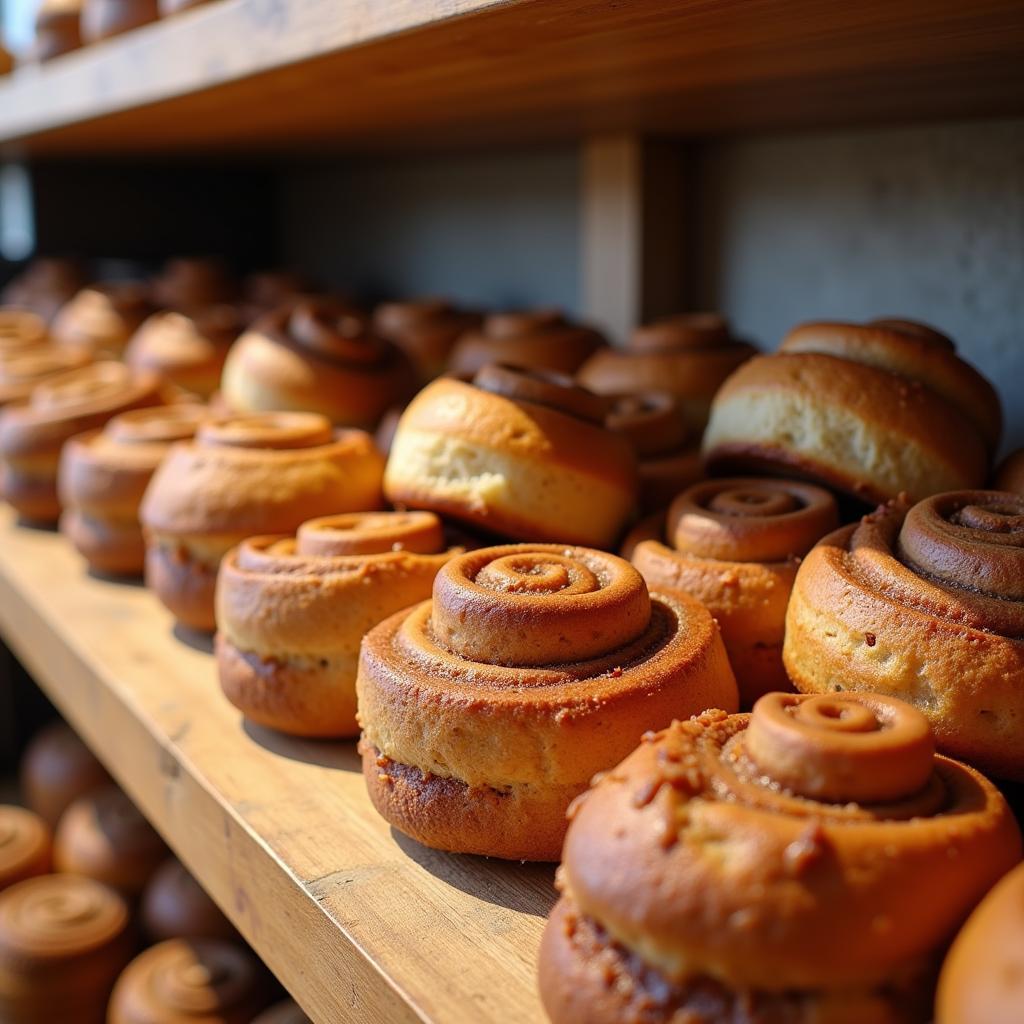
{"points": [[821, 658]]}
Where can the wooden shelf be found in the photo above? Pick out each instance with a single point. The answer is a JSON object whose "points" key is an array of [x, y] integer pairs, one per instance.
{"points": [[360, 924], [279, 75]]}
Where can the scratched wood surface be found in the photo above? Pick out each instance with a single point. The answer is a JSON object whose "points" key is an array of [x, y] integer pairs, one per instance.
{"points": [[279, 74], [360, 924]]}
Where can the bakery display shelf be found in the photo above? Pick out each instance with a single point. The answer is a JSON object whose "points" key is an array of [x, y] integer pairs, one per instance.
{"points": [[358, 922], [269, 74]]}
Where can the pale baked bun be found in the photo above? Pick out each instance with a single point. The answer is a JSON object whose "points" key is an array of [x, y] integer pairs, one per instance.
{"points": [[46, 284], [425, 329], [805, 864], [925, 603], [523, 455], [486, 710], [103, 317], [241, 477], [874, 410], [25, 845], [20, 372], [291, 612]]}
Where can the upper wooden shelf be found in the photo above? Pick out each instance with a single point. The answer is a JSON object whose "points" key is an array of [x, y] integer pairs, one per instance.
{"points": [[361, 924], [278, 75]]}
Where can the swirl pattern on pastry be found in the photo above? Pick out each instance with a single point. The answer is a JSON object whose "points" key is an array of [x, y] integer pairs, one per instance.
{"points": [[783, 866], [24, 845], [21, 372], [735, 545], [175, 906], [486, 710], [20, 331], [925, 603], [102, 318], [425, 329], [291, 612]]}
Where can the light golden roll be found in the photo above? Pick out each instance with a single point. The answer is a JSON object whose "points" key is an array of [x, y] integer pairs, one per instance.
{"points": [[102, 318], [63, 941], [104, 836], [805, 864], [668, 454], [175, 906], [187, 350], [33, 432], [25, 845], [538, 340], [925, 603], [524, 455], [735, 546], [193, 283], [190, 981], [874, 410], [983, 976], [688, 355], [487, 710], [21, 330], [241, 477], [291, 612], [1009, 475], [103, 476], [47, 284], [316, 356], [21, 372], [286, 1012], [425, 329], [56, 769]]}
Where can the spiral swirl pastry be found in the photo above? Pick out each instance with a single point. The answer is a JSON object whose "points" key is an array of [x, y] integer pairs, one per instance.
{"points": [[925, 603], [874, 410], [175, 906], [518, 453], [804, 863], [33, 432], [63, 941], [24, 845], [687, 355], [291, 612], [983, 976], [735, 545], [425, 329], [286, 1012], [1009, 475], [668, 456], [190, 981], [103, 476], [241, 477], [20, 372], [317, 355], [104, 836], [486, 710], [542, 339], [45, 285], [189, 284], [20, 331], [102, 318]]}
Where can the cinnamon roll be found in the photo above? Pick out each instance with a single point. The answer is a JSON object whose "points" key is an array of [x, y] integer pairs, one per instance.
{"points": [[241, 477], [688, 355], [208, 981], [925, 603], [1009, 475], [735, 546], [291, 612], [102, 318], [539, 340], [425, 329], [486, 710], [187, 350], [33, 432], [804, 864], [316, 356], [103, 476], [175, 906], [520, 454], [265, 291], [189, 284], [24, 845], [20, 373], [46, 284], [63, 941], [873, 410], [20, 331]]}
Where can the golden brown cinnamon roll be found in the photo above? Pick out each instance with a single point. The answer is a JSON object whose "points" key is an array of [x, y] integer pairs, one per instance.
{"points": [[21, 372], [735, 546], [291, 612], [33, 432], [175, 906], [316, 356], [425, 329], [873, 410], [539, 340], [63, 941], [103, 476], [486, 710], [520, 454], [241, 477], [925, 603], [189, 284], [1009, 475], [805, 864], [102, 318], [21, 330], [208, 981], [688, 355], [25, 845], [46, 284]]}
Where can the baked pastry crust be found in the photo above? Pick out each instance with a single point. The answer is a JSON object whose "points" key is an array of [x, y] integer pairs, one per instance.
{"points": [[1009, 475], [22, 371], [102, 318], [425, 329], [25, 845]]}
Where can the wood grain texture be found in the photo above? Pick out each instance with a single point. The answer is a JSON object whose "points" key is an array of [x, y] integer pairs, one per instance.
{"points": [[360, 924], [270, 74]]}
